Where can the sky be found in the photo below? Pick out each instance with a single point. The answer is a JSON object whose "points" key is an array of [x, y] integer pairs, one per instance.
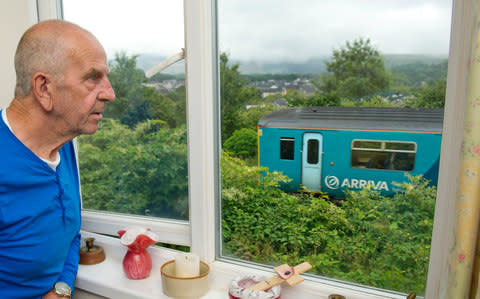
{"points": [[271, 30]]}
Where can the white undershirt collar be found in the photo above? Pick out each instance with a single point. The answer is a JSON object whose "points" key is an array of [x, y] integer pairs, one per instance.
{"points": [[52, 164]]}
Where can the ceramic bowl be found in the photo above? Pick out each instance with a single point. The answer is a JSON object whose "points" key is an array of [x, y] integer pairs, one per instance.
{"points": [[184, 287]]}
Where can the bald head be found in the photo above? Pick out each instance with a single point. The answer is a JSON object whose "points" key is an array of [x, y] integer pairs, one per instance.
{"points": [[45, 47]]}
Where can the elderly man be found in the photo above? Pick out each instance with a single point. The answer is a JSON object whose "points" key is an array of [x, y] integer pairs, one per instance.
{"points": [[61, 92]]}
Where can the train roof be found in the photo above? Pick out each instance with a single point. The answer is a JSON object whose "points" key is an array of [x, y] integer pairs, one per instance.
{"points": [[356, 118]]}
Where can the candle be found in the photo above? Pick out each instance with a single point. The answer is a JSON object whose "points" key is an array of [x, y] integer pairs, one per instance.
{"points": [[187, 265]]}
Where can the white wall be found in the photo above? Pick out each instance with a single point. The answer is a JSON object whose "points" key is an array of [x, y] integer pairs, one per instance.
{"points": [[15, 17]]}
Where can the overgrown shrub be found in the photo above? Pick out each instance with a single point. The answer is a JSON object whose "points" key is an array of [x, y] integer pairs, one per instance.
{"points": [[243, 143], [367, 238], [139, 171]]}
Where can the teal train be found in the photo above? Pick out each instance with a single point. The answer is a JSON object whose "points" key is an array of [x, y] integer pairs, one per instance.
{"points": [[331, 149]]}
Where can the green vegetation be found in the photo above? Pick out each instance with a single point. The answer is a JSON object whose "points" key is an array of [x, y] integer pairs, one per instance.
{"points": [[243, 143], [367, 238], [137, 164], [234, 95], [357, 70], [140, 171]]}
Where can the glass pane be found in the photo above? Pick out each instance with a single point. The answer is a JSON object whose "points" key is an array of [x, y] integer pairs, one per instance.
{"points": [[370, 159], [403, 161], [400, 146], [137, 161], [288, 55], [312, 156], [286, 149], [367, 144]]}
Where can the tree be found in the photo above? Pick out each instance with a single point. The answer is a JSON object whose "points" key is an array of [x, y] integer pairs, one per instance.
{"points": [[137, 103], [356, 70], [297, 99], [131, 105], [234, 95], [140, 171], [243, 143], [430, 96]]}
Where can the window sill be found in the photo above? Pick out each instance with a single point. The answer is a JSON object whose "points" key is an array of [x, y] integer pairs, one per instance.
{"points": [[108, 279]]}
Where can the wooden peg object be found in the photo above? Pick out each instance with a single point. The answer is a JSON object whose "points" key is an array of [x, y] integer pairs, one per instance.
{"points": [[291, 275]]}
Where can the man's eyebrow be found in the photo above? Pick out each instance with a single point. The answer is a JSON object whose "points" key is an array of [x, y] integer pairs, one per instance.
{"points": [[95, 72]]}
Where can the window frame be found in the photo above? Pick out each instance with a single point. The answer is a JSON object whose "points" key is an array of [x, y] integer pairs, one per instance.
{"points": [[204, 187], [291, 148], [199, 232], [383, 149]]}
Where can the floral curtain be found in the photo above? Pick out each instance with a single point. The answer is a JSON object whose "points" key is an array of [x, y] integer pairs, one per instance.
{"points": [[464, 254]]}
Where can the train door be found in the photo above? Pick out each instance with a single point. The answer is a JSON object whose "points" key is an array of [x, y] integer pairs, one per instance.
{"points": [[312, 161]]}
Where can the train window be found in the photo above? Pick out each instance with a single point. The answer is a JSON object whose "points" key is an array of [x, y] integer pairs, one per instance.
{"points": [[312, 156], [286, 148], [383, 155]]}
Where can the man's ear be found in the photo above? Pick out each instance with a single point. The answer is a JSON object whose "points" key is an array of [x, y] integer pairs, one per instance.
{"points": [[42, 90]]}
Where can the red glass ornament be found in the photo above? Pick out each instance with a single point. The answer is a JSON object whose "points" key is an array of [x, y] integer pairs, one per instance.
{"points": [[137, 262]]}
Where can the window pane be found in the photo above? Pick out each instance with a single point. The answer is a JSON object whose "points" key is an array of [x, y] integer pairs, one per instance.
{"points": [[403, 161], [400, 146], [367, 144], [286, 148], [137, 161], [312, 156], [393, 156], [279, 58], [370, 159]]}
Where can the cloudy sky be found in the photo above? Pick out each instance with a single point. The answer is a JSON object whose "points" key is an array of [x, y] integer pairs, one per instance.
{"points": [[271, 30]]}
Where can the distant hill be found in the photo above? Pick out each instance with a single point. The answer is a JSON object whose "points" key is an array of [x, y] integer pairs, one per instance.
{"points": [[317, 64], [311, 66], [393, 60], [314, 65]]}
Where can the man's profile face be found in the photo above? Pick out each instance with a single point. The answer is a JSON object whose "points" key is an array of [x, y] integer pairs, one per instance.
{"points": [[85, 88]]}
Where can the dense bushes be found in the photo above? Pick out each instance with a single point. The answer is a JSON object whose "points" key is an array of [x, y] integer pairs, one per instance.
{"points": [[243, 143], [367, 238], [139, 171]]}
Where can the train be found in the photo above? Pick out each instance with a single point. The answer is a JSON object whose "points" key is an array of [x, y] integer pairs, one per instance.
{"points": [[332, 149]]}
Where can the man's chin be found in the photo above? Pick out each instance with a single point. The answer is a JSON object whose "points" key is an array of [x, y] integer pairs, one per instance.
{"points": [[90, 130]]}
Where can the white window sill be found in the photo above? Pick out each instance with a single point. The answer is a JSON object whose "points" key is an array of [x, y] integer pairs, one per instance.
{"points": [[107, 278]]}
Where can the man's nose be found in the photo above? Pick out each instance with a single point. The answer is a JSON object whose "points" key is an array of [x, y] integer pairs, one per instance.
{"points": [[107, 93]]}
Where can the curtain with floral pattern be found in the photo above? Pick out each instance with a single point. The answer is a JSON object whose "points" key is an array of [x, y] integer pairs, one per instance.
{"points": [[464, 251]]}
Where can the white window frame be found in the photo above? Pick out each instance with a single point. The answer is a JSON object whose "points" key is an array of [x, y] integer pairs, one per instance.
{"points": [[200, 232]]}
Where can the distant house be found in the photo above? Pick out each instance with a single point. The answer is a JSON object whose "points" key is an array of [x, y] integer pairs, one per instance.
{"points": [[280, 102], [271, 87], [165, 86], [271, 90], [307, 89]]}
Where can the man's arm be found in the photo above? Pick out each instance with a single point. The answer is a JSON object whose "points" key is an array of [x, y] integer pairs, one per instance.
{"points": [[70, 268]]}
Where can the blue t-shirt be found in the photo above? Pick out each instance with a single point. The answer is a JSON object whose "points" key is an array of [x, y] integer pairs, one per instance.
{"points": [[39, 219]]}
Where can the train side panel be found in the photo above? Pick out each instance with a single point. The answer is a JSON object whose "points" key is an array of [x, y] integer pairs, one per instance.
{"points": [[340, 172], [271, 143], [347, 157]]}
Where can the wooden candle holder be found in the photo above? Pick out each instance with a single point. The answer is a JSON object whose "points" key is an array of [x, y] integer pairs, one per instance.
{"points": [[91, 254]]}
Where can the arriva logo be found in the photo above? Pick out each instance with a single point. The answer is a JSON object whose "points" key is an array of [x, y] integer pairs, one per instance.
{"points": [[333, 182]]}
